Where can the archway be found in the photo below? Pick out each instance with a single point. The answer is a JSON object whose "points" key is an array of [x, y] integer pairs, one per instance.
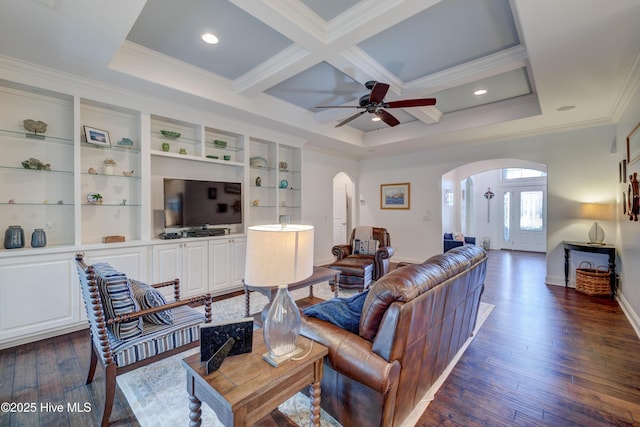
{"points": [[479, 201]]}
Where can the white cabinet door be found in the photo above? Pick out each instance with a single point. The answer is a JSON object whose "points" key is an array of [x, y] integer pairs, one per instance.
{"points": [[185, 261], [194, 278], [239, 249], [226, 261], [39, 294]]}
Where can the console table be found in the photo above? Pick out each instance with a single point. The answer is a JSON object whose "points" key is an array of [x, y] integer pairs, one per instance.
{"points": [[609, 250]]}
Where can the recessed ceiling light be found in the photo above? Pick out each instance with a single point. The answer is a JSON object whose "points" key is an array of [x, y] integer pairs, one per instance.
{"points": [[209, 38], [566, 108], [480, 92], [375, 119]]}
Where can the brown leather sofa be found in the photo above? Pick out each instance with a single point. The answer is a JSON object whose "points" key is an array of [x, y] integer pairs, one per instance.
{"points": [[413, 322]]}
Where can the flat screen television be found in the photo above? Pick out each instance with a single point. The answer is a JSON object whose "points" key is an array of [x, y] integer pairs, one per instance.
{"points": [[194, 203]]}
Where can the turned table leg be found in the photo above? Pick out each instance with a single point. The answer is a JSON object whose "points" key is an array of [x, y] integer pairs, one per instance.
{"points": [[314, 400], [195, 411]]}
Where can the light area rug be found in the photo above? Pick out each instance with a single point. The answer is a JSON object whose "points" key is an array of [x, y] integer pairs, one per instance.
{"points": [[158, 397]]}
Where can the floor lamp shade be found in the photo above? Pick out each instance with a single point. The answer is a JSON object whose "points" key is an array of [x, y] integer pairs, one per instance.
{"points": [[277, 256]]}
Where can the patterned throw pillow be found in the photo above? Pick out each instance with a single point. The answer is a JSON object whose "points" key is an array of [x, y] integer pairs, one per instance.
{"points": [[458, 236], [149, 297], [117, 299], [365, 247]]}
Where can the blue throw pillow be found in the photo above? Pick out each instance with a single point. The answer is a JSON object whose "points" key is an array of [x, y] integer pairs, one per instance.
{"points": [[342, 312]]}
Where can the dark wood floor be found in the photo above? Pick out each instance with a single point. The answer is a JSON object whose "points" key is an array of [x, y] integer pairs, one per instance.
{"points": [[545, 356]]}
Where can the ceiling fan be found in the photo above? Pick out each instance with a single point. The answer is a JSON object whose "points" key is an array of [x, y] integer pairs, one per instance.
{"points": [[374, 103]]}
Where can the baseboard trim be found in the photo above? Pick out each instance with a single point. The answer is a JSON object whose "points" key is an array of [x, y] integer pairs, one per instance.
{"points": [[631, 315], [41, 336]]}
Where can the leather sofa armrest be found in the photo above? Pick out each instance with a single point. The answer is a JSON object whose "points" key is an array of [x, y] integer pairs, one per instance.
{"points": [[351, 355], [341, 251]]}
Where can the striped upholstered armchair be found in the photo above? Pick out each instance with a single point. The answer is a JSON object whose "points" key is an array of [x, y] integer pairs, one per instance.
{"points": [[132, 325]]}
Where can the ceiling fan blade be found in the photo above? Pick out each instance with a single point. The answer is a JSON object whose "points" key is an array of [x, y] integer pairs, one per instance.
{"points": [[405, 103], [347, 120], [387, 118], [338, 106], [378, 92]]}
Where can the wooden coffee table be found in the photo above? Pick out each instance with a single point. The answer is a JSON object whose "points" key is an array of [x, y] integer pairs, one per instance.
{"points": [[246, 389], [320, 274]]}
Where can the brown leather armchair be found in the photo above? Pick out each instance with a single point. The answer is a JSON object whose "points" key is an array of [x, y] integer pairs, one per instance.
{"points": [[359, 270]]}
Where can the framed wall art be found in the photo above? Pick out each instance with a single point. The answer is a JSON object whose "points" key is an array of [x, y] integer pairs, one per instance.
{"points": [[97, 136], [395, 196], [633, 145]]}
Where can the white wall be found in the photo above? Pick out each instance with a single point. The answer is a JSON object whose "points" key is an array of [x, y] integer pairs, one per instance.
{"points": [[628, 232], [318, 170], [580, 169]]}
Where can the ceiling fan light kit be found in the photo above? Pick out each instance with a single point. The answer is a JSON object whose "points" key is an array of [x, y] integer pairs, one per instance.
{"points": [[373, 103]]}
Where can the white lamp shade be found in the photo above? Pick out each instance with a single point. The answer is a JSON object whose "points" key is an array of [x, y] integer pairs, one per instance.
{"points": [[277, 255]]}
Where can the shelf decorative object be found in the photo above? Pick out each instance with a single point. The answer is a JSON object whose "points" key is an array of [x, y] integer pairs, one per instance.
{"points": [[284, 183], [94, 198], [259, 162], [109, 166], [97, 136], [258, 182], [92, 171], [183, 151], [126, 143], [38, 238], [220, 143], [127, 173], [283, 166], [35, 164], [170, 134], [166, 147], [35, 126], [14, 237]]}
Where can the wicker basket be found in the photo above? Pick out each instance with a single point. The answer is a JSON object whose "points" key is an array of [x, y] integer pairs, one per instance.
{"points": [[592, 281]]}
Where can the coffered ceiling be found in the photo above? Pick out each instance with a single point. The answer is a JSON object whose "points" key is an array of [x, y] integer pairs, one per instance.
{"points": [[546, 65]]}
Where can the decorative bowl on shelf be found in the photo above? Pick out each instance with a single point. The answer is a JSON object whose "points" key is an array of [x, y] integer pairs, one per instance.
{"points": [[170, 134], [211, 156], [94, 198], [220, 143], [127, 173], [125, 142], [259, 162]]}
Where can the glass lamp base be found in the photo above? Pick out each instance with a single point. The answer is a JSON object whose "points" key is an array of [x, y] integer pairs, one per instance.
{"points": [[279, 360]]}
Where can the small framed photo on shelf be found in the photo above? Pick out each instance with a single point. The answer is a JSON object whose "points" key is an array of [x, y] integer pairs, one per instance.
{"points": [[97, 136], [395, 196]]}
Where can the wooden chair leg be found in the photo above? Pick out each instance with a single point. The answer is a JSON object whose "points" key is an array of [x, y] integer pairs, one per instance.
{"points": [[110, 392], [92, 364]]}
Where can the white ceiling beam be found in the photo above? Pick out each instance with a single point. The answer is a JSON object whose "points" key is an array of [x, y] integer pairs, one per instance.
{"points": [[488, 66], [427, 115], [322, 41]]}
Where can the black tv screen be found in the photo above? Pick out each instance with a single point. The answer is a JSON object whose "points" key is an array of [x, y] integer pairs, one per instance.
{"points": [[194, 203]]}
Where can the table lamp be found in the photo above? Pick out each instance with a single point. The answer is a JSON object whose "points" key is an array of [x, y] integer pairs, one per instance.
{"points": [[596, 211], [276, 256]]}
